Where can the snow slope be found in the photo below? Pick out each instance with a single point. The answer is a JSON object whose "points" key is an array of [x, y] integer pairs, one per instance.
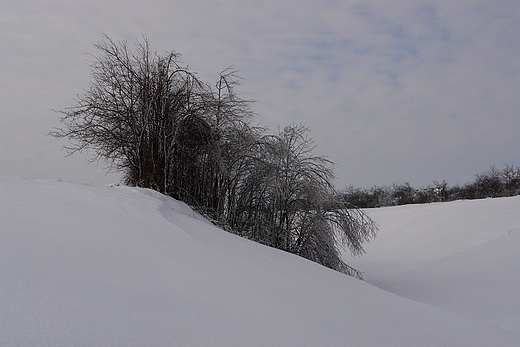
{"points": [[117, 266], [463, 256]]}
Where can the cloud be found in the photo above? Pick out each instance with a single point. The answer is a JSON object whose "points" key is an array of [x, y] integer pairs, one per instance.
{"points": [[393, 91]]}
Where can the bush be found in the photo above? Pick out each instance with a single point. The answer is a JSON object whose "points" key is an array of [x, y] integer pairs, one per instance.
{"points": [[152, 119]]}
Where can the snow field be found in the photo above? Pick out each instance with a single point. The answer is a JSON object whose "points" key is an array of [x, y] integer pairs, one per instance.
{"points": [[88, 265]]}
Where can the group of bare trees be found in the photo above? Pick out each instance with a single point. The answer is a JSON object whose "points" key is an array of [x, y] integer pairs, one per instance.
{"points": [[491, 184], [151, 118]]}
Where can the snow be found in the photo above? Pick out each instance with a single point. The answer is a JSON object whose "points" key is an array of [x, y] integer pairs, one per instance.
{"points": [[84, 265], [463, 256]]}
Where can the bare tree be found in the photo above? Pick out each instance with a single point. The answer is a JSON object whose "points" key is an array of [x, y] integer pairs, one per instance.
{"points": [[135, 112], [287, 201], [152, 119]]}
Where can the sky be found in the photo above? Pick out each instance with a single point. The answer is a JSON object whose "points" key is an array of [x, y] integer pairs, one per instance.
{"points": [[393, 91]]}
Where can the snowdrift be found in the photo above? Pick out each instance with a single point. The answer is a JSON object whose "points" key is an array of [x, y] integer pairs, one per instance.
{"points": [[463, 256], [88, 265]]}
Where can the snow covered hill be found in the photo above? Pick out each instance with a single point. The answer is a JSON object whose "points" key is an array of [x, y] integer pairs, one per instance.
{"points": [[463, 256], [88, 265]]}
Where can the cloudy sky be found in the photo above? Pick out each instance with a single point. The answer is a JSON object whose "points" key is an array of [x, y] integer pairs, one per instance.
{"points": [[393, 91]]}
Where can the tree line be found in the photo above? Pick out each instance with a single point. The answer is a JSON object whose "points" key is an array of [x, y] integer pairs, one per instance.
{"points": [[148, 116], [491, 184]]}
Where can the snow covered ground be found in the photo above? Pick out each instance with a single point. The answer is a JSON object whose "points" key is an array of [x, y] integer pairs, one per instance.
{"points": [[88, 265], [463, 256]]}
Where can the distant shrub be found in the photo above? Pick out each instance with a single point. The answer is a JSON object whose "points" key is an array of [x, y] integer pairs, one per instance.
{"points": [[491, 184]]}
